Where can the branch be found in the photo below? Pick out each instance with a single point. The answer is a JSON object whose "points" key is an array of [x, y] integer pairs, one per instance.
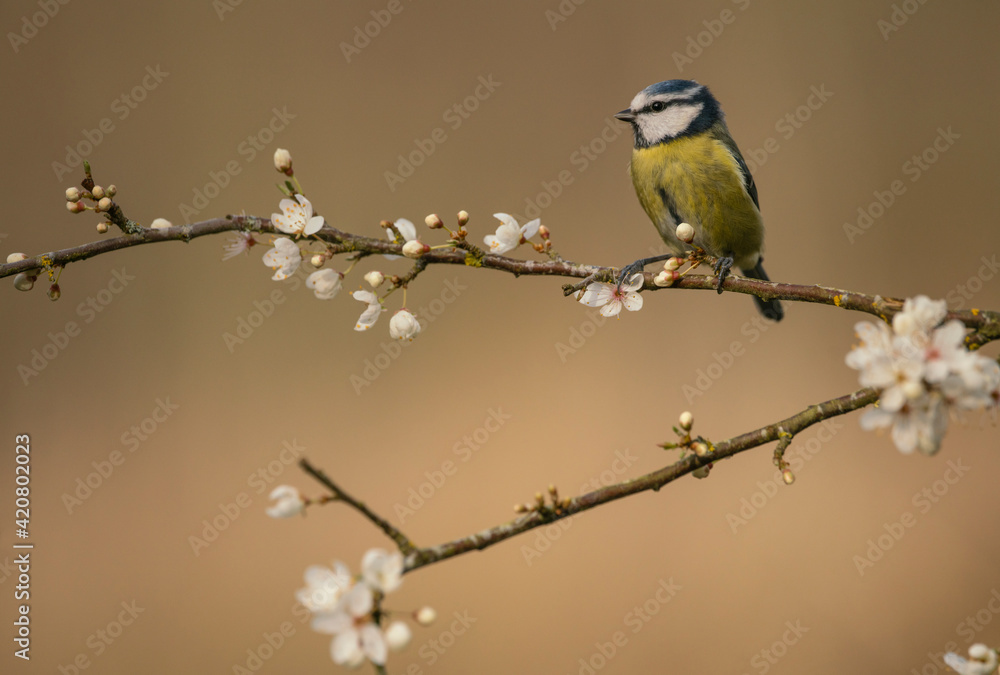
{"points": [[985, 324], [782, 431], [402, 541]]}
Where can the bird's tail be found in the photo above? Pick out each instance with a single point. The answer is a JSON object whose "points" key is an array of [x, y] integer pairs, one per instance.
{"points": [[771, 309]]}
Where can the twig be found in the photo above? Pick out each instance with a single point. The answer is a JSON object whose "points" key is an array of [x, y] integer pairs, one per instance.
{"points": [[402, 541]]}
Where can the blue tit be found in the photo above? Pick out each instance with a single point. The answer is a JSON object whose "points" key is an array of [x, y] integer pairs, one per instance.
{"points": [[686, 168]]}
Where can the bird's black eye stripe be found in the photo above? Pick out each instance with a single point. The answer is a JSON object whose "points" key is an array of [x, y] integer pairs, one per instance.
{"points": [[658, 106]]}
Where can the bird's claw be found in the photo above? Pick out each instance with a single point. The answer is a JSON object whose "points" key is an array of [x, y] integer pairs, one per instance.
{"points": [[626, 272], [722, 267]]}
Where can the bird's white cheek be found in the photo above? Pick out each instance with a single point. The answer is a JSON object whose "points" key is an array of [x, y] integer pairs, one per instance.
{"points": [[668, 123]]}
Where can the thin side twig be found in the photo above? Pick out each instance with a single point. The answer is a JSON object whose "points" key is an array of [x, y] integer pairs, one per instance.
{"points": [[402, 541]]}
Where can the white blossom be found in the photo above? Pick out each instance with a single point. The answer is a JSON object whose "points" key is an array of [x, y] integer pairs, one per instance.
{"points": [[982, 661], [346, 608], [509, 234], [403, 325], [240, 242], [357, 637], [284, 258], [289, 502], [611, 299], [324, 587], [297, 217], [407, 230], [325, 283], [381, 570], [371, 313], [923, 372]]}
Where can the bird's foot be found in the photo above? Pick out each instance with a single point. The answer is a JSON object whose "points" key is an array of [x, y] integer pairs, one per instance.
{"points": [[626, 272], [632, 268], [722, 267]]}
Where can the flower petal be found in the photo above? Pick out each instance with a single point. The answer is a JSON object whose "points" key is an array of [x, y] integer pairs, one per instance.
{"points": [[346, 649], [612, 308], [634, 282], [406, 228], [632, 302], [373, 644], [313, 225], [530, 229], [368, 317], [507, 219]]}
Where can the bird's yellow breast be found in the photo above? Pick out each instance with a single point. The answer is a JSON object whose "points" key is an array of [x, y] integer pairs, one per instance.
{"points": [[697, 180]]}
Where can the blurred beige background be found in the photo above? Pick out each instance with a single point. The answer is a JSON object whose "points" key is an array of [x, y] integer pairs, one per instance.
{"points": [[750, 558]]}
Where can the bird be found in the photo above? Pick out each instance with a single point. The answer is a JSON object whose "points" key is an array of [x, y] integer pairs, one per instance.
{"points": [[686, 168]]}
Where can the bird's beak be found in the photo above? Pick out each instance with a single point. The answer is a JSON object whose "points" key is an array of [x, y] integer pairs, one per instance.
{"points": [[625, 115]]}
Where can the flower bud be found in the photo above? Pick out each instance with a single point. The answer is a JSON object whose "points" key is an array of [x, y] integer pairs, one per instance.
{"points": [[76, 207], [104, 204], [16, 257], [463, 218], [415, 248], [374, 278], [702, 471], [98, 192], [102, 228], [699, 448], [543, 232], [112, 191], [54, 292], [788, 476], [912, 389], [665, 278], [317, 260], [397, 636], [685, 233], [425, 616], [283, 161], [433, 221], [979, 651], [673, 264], [72, 194], [686, 420], [161, 224], [23, 282]]}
